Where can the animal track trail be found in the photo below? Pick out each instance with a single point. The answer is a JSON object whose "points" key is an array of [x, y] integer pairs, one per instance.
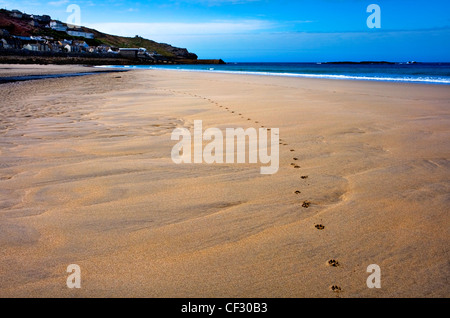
{"points": [[212, 102], [305, 204], [226, 108]]}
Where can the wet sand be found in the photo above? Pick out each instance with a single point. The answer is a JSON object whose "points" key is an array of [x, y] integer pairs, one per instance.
{"points": [[86, 178], [13, 70]]}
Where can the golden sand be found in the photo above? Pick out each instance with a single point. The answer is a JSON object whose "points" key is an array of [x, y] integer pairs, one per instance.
{"points": [[86, 178]]}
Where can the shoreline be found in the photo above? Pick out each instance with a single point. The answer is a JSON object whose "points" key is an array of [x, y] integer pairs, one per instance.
{"points": [[118, 68], [293, 75], [86, 178]]}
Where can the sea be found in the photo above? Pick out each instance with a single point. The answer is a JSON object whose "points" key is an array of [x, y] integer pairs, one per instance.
{"points": [[408, 72]]}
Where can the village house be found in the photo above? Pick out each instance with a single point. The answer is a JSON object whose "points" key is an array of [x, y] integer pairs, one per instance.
{"points": [[39, 45], [69, 48], [32, 47], [103, 48], [81, 46], [81, 34], [58, 26], [74, 46], [8, 42]]}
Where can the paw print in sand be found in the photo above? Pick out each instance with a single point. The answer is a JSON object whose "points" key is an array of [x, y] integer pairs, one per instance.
{"points": [[336, 288], [333, 262]]}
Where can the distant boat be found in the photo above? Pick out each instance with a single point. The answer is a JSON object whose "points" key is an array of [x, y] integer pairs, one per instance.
{"points": [[411, 62]]}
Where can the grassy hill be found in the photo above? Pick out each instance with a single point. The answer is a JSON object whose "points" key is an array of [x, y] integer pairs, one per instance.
{"points": [[137, 41]]}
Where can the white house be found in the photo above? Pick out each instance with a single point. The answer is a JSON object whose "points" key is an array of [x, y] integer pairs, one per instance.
{"points": [[68, 48], [32, 47], [85, 35], [58, 26]]}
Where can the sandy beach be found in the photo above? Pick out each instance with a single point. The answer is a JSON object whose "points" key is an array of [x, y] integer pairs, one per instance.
{"points": [[86, 178]]}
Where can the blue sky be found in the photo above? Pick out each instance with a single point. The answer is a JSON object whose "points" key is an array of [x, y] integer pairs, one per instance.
{"points": [[271, 31]]}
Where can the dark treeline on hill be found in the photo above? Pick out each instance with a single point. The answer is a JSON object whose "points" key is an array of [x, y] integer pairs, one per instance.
{"points": [[26, 38]]}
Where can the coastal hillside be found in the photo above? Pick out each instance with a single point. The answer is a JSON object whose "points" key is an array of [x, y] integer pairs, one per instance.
{"points": [[23, 34], [126, 42]]}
